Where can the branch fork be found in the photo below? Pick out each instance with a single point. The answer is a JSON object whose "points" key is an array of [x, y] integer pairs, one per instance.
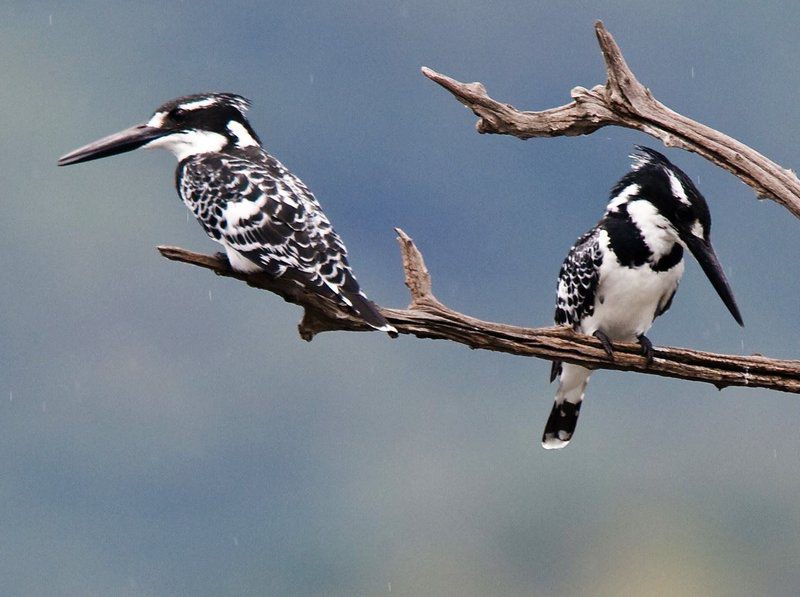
{"points": [[624, 101]]}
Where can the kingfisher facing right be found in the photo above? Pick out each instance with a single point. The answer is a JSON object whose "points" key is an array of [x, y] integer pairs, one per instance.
{"points": [[623, 273]]}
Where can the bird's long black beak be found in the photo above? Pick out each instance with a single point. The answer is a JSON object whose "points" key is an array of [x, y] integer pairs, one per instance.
{"points": [[707, 258], [127, 140]]}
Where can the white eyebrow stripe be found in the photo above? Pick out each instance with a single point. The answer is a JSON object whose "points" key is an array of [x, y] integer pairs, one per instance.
{"points": [[197, 104], [677, 187]]}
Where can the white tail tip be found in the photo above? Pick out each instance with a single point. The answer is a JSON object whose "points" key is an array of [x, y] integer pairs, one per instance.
{"points": [[389, 329], [553, 443]]}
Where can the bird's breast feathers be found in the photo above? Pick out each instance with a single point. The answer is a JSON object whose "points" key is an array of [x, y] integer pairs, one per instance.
{"points": [[627, 298]]}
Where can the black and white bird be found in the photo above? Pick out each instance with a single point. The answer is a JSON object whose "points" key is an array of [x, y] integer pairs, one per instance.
{"points": [[623, 273], [263, 215]]}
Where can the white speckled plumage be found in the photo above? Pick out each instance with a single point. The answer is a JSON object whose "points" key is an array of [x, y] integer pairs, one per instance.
{"points": [[263, 215]]}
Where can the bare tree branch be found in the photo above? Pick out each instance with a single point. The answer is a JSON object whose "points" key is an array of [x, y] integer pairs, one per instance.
{"points": [[624, 101], [427, 317]]}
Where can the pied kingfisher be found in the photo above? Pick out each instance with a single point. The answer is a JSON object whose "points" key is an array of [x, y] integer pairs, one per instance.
{"points": [[263, 215], [624, 272]]}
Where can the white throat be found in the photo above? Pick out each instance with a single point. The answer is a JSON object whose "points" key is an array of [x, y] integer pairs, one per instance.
{"points": [[189, 143]]}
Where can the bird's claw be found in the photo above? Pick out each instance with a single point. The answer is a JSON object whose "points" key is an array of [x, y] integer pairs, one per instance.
{"points": [[606, 342], [647, 348]]}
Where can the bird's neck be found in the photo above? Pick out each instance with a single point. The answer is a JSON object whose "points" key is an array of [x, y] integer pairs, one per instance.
{"points": [[639, 234], [187, 144]]}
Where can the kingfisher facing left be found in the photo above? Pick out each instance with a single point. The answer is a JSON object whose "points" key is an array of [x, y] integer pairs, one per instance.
{"points": [[624, 272], [263, 215]]}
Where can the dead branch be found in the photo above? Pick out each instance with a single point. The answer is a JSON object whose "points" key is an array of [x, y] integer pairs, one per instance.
{"points": [[427, 317], [624, 101]]}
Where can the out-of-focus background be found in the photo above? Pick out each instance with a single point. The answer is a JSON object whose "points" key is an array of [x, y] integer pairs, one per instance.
{"points": [[166, 432]]}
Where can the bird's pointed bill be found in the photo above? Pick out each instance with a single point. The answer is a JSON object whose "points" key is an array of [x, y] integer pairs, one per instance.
{"points": [[121, 142], [707, 258]]}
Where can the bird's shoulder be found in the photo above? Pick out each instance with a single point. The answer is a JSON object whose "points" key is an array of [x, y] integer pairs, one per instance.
{"points": [[251, 180], [251, 165]]}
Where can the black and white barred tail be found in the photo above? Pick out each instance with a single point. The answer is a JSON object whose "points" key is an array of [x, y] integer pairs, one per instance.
{"points": [[368, 311], [560, 426]]}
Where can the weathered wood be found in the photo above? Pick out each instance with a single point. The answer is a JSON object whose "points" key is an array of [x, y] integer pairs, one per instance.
{"points": [[427, 317], [624, 101]]}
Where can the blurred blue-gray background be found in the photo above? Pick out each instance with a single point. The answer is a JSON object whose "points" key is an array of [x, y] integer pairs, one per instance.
{"points": [[166, 432]]}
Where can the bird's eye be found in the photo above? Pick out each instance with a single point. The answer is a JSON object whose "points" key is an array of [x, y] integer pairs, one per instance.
{"points": [[685, 212], [177, 114]]}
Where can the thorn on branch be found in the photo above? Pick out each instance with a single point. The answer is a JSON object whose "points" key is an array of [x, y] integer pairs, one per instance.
{"points": [[417, 276]]}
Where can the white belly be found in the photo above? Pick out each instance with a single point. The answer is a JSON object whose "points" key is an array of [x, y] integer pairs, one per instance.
{"points": [[627, 299]]}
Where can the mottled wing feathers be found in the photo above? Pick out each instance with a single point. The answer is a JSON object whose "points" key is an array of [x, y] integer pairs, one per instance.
{"points": [[265, 213], [577, 280], [577, 284]]}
